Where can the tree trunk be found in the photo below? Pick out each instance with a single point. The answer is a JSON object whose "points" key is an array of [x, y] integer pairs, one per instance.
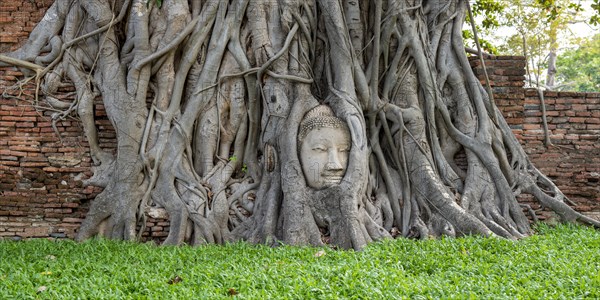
{"points": [[551, 72], [552, 55], [214, 101]]}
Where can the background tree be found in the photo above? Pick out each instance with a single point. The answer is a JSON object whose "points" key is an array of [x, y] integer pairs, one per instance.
{"points": [[533, 38], [540, 28], [206, 99], [578, 69]]}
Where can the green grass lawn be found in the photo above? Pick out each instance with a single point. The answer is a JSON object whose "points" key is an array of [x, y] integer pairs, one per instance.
{"points": [[560, 262]]}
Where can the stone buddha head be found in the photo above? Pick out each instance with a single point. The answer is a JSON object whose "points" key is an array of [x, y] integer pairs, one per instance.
{"points": [[323, 144]]}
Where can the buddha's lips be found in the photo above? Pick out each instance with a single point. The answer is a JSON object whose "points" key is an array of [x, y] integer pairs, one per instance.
{"points": [[333, 178]]}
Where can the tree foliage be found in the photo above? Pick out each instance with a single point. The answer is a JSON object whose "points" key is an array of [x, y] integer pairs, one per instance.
{"points": [[540, 29], [595, 19], [490, 14], [579, 69]]}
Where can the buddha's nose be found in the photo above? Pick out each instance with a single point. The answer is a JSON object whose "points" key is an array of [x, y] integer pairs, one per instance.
{"points": [[333, 161]]}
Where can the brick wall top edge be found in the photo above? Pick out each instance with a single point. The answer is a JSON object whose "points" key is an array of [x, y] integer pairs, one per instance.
{"points": [[510, 57], [570, 94], [498, 57], [531, 92]]}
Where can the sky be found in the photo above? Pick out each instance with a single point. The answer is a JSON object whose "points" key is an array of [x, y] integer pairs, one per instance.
{"points": [[582, 29]]}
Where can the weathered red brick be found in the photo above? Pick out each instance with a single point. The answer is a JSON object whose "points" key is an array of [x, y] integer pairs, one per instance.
{"points": [[576, 120], [72, 220]]}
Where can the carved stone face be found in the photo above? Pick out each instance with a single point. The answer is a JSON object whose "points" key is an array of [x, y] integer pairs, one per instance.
{"points": [[324, 144], [324, 156]]}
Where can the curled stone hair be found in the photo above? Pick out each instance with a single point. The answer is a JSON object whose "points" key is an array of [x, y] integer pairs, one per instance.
{"points": [[321, 116]]}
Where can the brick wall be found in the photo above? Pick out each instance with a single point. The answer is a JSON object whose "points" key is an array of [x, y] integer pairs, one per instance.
{"points": [[41, 166], [507, 78], [17, 19], [41, 193], [573, 159]]}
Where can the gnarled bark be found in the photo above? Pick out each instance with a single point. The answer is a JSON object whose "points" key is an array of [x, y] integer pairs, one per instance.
{"points": [[207, 97]]}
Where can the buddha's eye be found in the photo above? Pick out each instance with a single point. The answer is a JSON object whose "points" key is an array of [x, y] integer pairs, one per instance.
{"points": [[320, 148]]}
